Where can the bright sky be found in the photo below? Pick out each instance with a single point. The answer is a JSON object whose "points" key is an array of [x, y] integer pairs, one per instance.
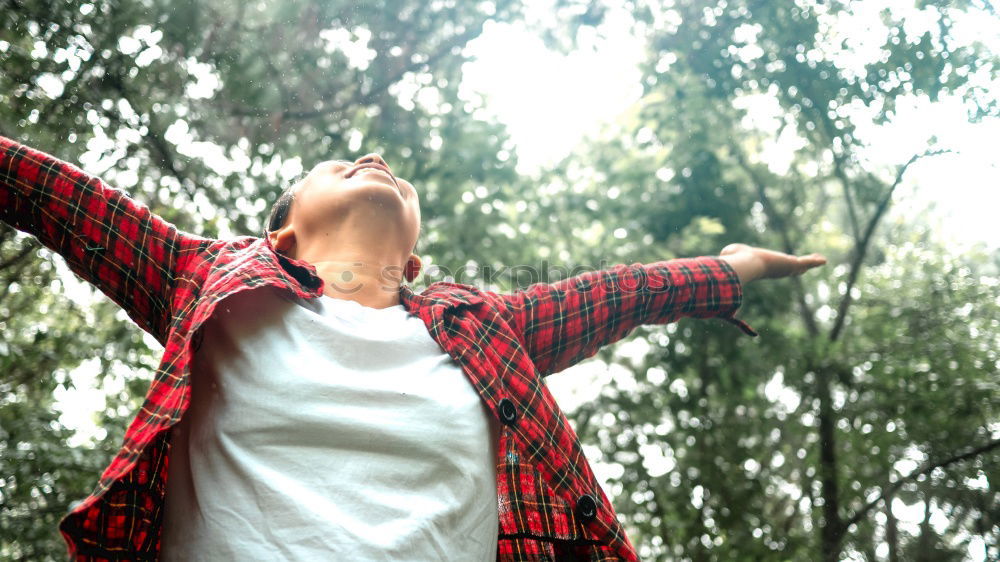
{"points": [[550, 101]]}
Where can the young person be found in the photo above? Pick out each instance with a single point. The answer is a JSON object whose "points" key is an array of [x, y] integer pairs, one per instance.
{"points": [[310, 405]]}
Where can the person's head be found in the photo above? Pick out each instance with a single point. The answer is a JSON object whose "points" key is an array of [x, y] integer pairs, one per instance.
{"points": [[355, 207]]}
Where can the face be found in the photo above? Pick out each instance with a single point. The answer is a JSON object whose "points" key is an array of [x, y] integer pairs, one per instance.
{"points": [[367, 188]]}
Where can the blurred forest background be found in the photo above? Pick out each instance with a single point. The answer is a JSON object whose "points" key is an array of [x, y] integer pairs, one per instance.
{"points": [[863, 424]]}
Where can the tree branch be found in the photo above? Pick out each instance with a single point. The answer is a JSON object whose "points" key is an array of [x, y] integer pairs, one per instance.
{"points": [[29, 247], [369, 96], [782, 228], [155, 137], [15, 275], [891, 490], [841, 175], [861, 248]]}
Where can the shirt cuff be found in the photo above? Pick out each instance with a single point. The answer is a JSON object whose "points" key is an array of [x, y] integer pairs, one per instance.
{"points": [[731, 279]]}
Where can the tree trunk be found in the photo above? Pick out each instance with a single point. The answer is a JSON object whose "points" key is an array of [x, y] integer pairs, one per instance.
{"points": [[925, 541], [831, 530], [891, 532]]}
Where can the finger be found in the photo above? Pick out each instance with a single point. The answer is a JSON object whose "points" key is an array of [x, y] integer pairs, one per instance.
{"points": [[811, 261]]}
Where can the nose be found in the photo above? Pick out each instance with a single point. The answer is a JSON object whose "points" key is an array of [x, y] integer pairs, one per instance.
{"points": [[371, 158]]}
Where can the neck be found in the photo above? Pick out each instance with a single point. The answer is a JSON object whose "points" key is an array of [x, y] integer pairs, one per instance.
{"points": [[359, 270], [370, 284]]}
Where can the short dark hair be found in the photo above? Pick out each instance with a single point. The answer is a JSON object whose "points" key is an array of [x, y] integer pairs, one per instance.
{"points": [[282, 207]]}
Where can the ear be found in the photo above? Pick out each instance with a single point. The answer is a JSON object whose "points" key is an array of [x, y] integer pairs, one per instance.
{"points": [[283, 240], [412, 268]]}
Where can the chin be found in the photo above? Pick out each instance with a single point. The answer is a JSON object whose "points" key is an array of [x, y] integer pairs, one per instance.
{"points": [[369, 203], [381, 193]]}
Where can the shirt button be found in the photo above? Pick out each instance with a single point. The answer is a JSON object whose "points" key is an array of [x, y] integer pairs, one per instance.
{"points": [[586, 508], [508, 413]]}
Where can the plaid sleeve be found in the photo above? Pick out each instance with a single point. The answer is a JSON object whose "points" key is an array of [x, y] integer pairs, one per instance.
{"points": [[108, 239], [565, 322]]}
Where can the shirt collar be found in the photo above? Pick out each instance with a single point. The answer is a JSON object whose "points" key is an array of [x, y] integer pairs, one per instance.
{"points": [[303, 271], [447, 295]]}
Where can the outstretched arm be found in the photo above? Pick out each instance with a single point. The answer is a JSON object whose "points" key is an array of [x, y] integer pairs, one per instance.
{"points": [[565, 322], [107, 238]]}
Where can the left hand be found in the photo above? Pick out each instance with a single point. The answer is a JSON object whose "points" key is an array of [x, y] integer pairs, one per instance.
{"points": [[762, 263]]}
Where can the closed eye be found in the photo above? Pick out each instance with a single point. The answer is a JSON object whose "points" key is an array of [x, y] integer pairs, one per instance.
{"points": [[338, 165]]}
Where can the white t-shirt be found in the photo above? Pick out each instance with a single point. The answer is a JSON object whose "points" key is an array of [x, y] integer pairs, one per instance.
{"points": [[321, 429]]}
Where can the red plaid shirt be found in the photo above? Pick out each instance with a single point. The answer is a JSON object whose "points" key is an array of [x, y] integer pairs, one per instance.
{"points": [[169, 282]]}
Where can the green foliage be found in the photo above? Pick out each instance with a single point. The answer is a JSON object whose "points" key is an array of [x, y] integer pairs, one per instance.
{"points": [[722, 448], [867, 371]]}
